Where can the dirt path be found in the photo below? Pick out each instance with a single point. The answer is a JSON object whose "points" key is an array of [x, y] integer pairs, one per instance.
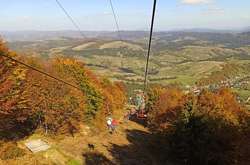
{"points": [[128, 145]]}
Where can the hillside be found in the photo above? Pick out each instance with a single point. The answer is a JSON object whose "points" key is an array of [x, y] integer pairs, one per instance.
{"points": [[34, 106], [185, 57], [193, 113], [31, 99]]}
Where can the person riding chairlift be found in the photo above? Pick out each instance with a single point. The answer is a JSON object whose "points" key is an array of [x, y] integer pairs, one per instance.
{"points": [[141, 105]]}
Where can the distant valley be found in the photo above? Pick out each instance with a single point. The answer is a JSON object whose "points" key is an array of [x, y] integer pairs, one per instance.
{"points": [[184, 57]]}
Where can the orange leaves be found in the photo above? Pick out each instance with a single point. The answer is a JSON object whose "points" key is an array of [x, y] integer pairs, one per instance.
{"points": [[13, 103], [115, 97], [27, 95], [8, 105], [6, 86], [221, 104], [171, 99], [166, 106], [57, 107], [114, 101], [95, 100], [211, 128], [102, 96]]}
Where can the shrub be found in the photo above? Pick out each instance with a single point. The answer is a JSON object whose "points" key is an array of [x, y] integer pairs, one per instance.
{"points": [[165, 106], [208, 129]]}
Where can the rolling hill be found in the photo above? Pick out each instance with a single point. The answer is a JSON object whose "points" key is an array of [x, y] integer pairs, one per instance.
{"points": [[184, 57]]}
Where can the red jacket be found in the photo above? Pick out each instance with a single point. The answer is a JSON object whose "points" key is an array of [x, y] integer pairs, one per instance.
{"points": [[114, 122]]}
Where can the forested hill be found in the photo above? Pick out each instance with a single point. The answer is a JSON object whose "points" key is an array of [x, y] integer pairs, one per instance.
{"points": [[30, 100]]}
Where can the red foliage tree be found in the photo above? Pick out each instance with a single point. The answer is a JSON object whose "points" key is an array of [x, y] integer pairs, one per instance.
{"points": [[14, 110]]}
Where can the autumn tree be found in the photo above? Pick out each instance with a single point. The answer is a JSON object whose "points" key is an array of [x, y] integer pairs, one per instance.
{"points": [[103, 97], [204, 129], [33, 100], [165, 105], [14, 110]]}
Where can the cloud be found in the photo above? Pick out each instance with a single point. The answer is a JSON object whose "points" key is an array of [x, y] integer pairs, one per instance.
{"points": [[195, 2], [214, 10]]}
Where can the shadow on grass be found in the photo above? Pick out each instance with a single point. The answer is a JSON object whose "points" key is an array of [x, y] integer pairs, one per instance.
{"points": [[93, 158], [142, 150], [142, 122], [134, 153]]}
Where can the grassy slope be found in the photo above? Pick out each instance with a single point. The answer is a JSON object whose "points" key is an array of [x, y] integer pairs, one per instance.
{"points": [[183, 58], [127, 145]]}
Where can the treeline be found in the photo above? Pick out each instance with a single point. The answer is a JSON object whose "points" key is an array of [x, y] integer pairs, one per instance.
{"points": [[211, 128], [30, 100]]}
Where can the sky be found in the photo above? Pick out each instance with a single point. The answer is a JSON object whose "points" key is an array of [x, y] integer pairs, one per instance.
{"points": [[96, 15]]}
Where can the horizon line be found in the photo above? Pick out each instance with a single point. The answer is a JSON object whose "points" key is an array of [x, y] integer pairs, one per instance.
{"points": [[167, 30]]}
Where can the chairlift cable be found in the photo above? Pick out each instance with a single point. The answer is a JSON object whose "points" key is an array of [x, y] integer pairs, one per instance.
{"points": [[149, 46], [41, 72], [116, 20], [117, 27], [70, 18]]}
